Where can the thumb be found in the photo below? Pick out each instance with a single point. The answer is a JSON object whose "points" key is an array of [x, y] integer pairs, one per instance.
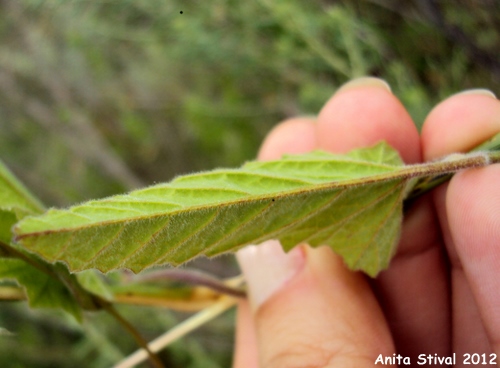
{"points": [[310, 311]]}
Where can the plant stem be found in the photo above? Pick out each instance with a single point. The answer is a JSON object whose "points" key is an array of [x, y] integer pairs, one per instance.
{"points": [[475, 159], [179, 331], [58, 272], [136, 335], [12, 293], [184, 328], [85, 299], [192, 277], [14, 253]]}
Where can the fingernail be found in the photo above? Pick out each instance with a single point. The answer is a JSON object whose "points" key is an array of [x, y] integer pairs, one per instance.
{"points": [[267, 268], [477, 91], [365, 82]]}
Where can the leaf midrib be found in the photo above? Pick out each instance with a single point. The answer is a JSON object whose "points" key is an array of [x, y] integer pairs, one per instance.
{"points": [[400, 173]]}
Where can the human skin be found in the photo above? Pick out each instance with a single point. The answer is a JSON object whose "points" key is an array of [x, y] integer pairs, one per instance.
{"points": [[441, 292]]}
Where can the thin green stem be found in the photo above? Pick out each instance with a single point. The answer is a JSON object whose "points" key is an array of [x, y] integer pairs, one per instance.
{"points": [[184, 328], [58, 272], [155, 361], [85, 299], [14, 253]]}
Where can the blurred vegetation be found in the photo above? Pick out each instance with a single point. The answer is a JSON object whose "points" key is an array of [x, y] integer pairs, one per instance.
{"points": [[99, 97]]}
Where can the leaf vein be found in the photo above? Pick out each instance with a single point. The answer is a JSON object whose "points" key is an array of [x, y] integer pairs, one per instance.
{"points": [[105, 245], [379, 228]]}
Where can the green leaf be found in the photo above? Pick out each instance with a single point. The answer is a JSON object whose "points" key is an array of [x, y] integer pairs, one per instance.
{"points": [[351, 202], [42, 290], [14, 197], [16, 202], [7, 220], [93, 282]]}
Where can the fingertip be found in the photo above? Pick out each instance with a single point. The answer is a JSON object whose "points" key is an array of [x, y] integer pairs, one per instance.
{"points": [[362, 115], [325, 315], [460, 123], [297, 135]]}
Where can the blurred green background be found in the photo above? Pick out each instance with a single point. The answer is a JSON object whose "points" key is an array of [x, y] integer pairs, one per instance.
{"points": [[99, 97]]}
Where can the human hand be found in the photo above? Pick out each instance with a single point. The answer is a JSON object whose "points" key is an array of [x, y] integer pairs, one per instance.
{"points": [[440, 294]]}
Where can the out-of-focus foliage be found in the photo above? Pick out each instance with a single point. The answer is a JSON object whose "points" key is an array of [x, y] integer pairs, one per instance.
{"points": [[97, 97], [100, 96]]}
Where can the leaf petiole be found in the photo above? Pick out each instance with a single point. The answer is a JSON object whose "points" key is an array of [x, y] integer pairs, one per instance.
{"points": [[488, 151], [192, 277]]}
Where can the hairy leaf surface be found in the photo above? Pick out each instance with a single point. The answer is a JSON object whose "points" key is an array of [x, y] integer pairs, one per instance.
{"points": [[351, 202]]}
